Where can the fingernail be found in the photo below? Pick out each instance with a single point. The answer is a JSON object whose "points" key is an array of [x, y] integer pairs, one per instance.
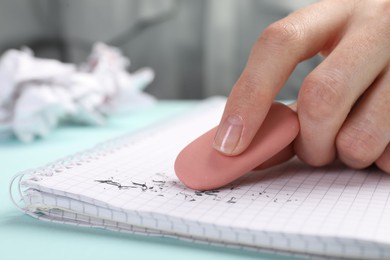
{"points": [[228, 134]]}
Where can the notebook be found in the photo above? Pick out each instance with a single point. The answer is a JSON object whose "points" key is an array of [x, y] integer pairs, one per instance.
{"points": [[129, 185]]}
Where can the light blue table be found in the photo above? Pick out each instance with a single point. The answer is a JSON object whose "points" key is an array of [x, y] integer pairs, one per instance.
{"points": [[23, 237]]}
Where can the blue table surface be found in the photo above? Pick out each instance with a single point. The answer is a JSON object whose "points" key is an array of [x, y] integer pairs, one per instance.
{"points": [[23, 237]]}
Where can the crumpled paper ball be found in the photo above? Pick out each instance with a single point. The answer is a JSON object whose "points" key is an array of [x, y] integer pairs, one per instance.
{"points": [[37, 94]]}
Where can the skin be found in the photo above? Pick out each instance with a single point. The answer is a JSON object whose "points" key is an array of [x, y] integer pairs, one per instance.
{"points": [[344, 104]]}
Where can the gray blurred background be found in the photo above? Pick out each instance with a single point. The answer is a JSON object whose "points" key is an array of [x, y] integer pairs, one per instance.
{"points": [[197, 48]]}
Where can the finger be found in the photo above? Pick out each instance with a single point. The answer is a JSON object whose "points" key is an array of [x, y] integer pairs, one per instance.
{"points": [[366, 132], [383, 162], [281, 157], [329, 92], [274, 56]]}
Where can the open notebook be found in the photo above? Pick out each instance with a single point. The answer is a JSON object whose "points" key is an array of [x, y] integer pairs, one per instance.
{"points": [[129, 185]]}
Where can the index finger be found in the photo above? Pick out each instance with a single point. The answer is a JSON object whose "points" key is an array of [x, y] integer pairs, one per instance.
{"points": [[274, 56]]}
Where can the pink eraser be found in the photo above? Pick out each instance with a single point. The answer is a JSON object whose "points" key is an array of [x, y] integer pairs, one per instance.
{"points": [[199, 166]]}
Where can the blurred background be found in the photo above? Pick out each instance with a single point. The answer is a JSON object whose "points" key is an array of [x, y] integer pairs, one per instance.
{"points": [[197, 48]]}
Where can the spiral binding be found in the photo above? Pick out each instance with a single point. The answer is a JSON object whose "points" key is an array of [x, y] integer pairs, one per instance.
{"points": [[65, 163]]}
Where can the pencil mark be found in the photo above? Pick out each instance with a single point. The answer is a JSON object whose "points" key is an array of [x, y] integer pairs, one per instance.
{"points": [[187, 196], [232, 200], [142, 185], [115, 183], [206, 192], [163, 182], [198, 193], [212, 192], [162, 186]]}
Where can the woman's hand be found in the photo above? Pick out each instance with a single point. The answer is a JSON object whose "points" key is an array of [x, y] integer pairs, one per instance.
{"points": [[343, 105]]}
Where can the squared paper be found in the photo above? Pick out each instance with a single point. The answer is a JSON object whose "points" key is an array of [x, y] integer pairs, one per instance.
{"points": [[129, 185]]}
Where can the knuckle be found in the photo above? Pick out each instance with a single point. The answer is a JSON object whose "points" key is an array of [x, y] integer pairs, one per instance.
{"points": [[248, 92], [282, 33], [377, 17], [357, 145], [321, 96]]}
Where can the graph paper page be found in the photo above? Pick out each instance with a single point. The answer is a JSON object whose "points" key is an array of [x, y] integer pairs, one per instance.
{"points": [[292, 198]]}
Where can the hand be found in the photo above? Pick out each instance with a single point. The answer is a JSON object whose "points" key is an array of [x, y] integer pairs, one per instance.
{"points": [[343, 105]]}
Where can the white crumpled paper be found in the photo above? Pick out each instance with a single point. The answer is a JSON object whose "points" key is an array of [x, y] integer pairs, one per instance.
{"points": [[37, 94]]}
